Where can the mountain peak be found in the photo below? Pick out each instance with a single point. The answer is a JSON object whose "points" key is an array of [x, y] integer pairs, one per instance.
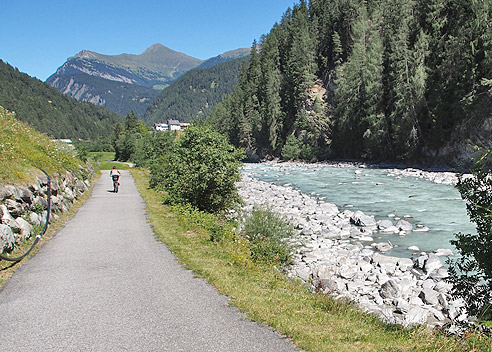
{"points": [[86, 54], [155, 47]]}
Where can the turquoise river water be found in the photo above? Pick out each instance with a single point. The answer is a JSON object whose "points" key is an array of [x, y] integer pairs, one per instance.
{"points": [[376, 192]]}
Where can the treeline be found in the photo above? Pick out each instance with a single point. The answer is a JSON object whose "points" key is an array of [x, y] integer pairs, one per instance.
{"points": [[371, 79], [195, 94], [48, 110]]}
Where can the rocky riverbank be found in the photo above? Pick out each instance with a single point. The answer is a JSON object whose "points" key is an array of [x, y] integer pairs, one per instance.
{"points": [[341, 256], [441, 177], [24, 209]]}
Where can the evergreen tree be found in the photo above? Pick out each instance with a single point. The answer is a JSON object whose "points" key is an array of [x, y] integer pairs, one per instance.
{"points": [[271, 111], [360, 127], [407, 79]]}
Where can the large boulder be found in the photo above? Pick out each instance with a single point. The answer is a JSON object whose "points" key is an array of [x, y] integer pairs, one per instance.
{"points": [[390, 289], [26, 195], [404, 225], [34, 219], [15, 209], [429, 296], [385, 262], [444, 252], [328, 209], [384, 224], [5, 193], [8, 220], [432, 263], [416, 316], [361, 219], [26, 228], [7, 239]]}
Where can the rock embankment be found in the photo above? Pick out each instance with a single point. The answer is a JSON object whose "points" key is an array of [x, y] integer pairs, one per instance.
{"points": [[23, 210], [339, 256]]}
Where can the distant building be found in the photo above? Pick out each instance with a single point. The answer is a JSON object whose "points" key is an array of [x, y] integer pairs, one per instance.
{"points": [[174, 125], [63, 140], [171, 125], [161, 126]]}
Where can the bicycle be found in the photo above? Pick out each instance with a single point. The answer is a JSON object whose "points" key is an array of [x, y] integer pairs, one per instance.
{"points": [[116, 184]]}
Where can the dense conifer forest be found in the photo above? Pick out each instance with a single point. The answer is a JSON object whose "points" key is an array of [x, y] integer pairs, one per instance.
{"points": [[378, 80], [49, 111], [196, 93]]}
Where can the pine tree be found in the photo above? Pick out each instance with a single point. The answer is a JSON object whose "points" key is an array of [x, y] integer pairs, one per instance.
{"points": [[407, 80], [271, 111], [360, 127]]}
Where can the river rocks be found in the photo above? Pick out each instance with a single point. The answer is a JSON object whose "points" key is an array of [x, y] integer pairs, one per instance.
{"points": [[404, 225], [429, 296], [441, 252], [341, 256], [360, 219], [448, 178], [390, 289], [383, 246], [22, 208], [432, 263], [415, 316]]}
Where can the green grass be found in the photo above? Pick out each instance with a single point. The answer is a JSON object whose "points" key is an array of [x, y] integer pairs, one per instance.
{"points": [[23, 150], [314, 322], [105, 161]]}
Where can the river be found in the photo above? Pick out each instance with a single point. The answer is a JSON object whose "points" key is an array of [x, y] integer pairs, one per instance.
{"points": [[381, 193]]}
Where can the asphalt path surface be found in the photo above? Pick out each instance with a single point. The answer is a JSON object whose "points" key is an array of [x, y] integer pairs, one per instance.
{"points": [[104, 283]]}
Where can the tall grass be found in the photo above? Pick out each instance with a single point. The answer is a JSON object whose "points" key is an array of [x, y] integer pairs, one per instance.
{"points": [[23, 150]]}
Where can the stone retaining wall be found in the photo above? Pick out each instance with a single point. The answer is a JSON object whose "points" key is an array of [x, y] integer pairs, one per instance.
{"points": [[23, 210]]}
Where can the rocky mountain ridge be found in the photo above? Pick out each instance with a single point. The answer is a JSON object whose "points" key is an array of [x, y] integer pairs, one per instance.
{"points": [[157, 65], [127, 82]]}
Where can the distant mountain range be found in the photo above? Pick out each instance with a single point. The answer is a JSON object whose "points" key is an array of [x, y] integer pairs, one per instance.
{"points": [[127, 82]]}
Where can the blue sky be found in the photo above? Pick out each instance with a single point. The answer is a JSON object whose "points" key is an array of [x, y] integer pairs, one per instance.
{"points": [[38, 36]]}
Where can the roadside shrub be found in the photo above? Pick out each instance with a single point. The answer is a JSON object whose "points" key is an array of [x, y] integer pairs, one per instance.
{"points": [[271, 238], [200, 170]]}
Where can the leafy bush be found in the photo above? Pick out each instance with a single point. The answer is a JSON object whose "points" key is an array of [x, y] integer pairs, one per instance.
{"points": [[271, 237], [200, 170], [472, 275], [154, 147]]}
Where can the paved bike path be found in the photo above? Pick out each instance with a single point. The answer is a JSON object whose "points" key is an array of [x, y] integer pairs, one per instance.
{"points": [[104, 283]]}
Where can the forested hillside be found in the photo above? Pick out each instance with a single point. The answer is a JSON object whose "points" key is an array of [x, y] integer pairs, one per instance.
{"points": [[196, 93], [49, 111], [380, 80]]}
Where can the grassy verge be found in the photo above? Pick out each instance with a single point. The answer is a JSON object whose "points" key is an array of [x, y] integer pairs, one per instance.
{"points": [[314, 322], [23, 150]]}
